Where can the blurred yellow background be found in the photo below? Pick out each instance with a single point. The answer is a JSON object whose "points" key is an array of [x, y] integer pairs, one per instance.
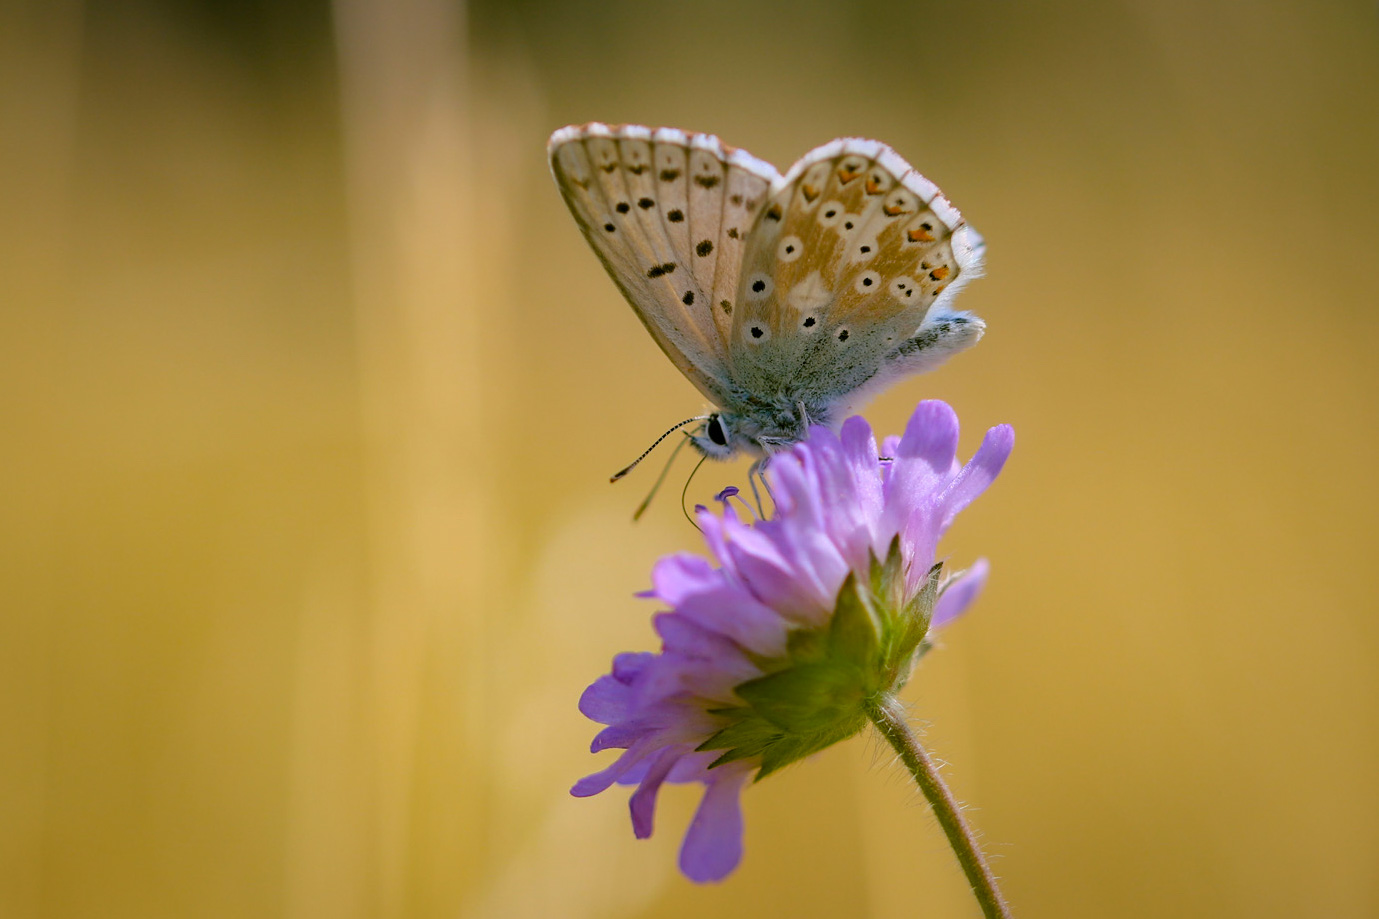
{"points": [[311, 391]]}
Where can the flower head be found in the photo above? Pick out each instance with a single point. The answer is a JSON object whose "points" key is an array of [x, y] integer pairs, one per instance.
{"points": [[777, 648]]}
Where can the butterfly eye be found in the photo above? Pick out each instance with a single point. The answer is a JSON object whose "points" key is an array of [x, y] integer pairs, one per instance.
{"points": [[789, 249], [716, 432]]}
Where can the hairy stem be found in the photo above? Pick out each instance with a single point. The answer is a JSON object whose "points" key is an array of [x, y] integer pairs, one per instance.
{"points": [[889, 719]]}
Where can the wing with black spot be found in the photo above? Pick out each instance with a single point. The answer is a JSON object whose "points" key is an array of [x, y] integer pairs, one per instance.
{"points": [[667, 212], [852, 258]]}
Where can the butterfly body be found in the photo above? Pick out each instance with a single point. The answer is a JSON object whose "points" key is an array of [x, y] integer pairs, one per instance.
{"points": [[759, 425], [787, 300]]}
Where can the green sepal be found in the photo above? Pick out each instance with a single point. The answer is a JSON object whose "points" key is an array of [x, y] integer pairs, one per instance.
{"points": [[817, 693], [752, 733], [749, 737], [807, 698], [796, 747], [804, 646], [909, 627], [854, 632], [888, 576]]}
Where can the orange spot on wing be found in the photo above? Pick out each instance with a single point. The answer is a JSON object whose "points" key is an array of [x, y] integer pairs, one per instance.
{"points": [[939, 273], [919, 235], [809, 192], [846, 175], [893, 210], [873, 187]]}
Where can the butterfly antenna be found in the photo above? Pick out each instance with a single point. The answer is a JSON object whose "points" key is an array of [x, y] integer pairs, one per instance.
{"points": [[685, 491], [633, 465], [646, 502]]}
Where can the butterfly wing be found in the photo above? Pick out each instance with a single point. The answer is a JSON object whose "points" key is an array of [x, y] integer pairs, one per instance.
{"points": [[667, 212], [847, 279]]}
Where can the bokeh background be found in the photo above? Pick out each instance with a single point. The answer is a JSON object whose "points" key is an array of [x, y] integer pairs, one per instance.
{"points": [[311, 390]]}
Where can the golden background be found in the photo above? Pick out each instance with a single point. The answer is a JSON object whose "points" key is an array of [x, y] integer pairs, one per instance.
{"points": [[311, 390]]}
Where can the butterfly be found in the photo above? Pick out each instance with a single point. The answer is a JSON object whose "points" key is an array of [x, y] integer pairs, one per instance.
{"points": [[787, 300]]}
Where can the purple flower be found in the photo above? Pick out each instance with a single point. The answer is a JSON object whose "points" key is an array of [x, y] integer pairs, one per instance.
{"points": [[802, 622]]}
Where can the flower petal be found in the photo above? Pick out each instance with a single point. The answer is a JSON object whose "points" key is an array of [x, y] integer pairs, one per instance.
{"points": [[863, 463], [704, 650], [606, 700], [676, 674], [630, 664], [601, 780], [840, 498], [925, 458], [959, 594], [642, 804], [711, 525], [713, 843], [979, 472], [706, 596], [693, 767], [931, 436], [619, 736], [679, 575], [793, 569]]}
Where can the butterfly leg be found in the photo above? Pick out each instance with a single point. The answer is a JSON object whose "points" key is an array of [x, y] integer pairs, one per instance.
{"points": [[752, 481], [758, 472]]}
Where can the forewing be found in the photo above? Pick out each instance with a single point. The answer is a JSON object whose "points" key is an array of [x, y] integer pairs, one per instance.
{"points": [[667, 212], [853, 258]]}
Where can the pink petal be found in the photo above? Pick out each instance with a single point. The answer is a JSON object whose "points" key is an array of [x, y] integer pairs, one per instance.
{"points": [[959, 594], [706, 596], [601, 780], [931, 436], [925, 458], [979, 472], [606, 700], [642, 804], [713, 844]]}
